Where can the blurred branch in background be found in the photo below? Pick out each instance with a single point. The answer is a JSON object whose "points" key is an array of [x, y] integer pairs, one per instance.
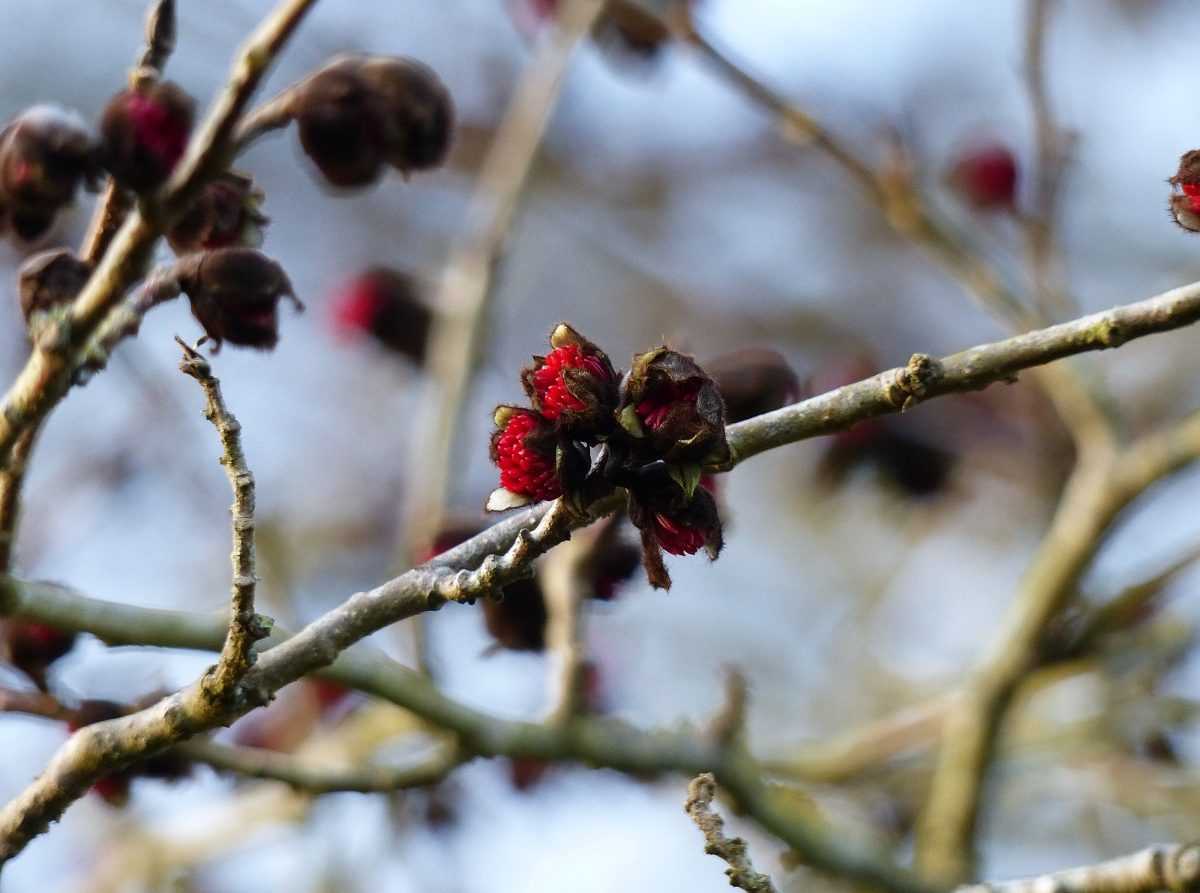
{"points": [[467, 283]]}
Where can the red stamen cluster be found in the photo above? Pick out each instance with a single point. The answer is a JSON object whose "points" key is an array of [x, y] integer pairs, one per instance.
{"points": [[551, 387], [523, 469], [656, 408], [677, 537]]}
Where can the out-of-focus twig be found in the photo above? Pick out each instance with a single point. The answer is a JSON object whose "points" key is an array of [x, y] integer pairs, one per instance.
{"points": [[731, 850], [12, 479], [1173, 867], [462, 296], [313, 777], [245, 626], [1050, 158], [914, 219], [467, 282]]}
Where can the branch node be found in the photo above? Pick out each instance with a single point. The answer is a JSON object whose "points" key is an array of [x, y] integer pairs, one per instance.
{"points": [[914, 382]]}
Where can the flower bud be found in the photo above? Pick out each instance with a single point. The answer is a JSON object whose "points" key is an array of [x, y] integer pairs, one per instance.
{"points": [[624, 29], [49, 279], [235, 295], [611, 561], [44, 154], [674, 409], [524, 448], [418, 112], [573, 386], [359, 113], [517, 620], [386, 305], [753, 381], [985, 177], [670, 520], [144, 132], [33, 647], [225, 213], [1185, 204]]}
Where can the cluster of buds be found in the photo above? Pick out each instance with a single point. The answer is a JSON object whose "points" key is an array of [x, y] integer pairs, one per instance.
{"points": [[33, 648], [589, 430], [46, 152], [360, 114], [386, 306], [114, 788], [1185, 192]]}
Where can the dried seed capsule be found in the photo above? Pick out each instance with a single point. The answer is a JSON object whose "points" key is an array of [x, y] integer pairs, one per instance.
{"points": [[144, 132], [235, 295], [49, 279]]}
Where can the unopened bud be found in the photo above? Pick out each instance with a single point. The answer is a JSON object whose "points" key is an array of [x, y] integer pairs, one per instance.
{"points": [[144, 132], [235, 295]]}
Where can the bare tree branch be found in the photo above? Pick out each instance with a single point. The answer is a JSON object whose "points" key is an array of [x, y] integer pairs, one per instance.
{"points": [[732, 850], [245, 626]]}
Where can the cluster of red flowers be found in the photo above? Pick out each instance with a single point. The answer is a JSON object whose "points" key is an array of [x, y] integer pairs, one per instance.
{"points": [[590, 430]]}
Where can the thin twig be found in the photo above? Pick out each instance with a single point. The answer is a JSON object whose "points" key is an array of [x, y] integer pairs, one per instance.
{"points": [[12, 479], [245, 626], [732, 850], [32, 703], [914, 219]]}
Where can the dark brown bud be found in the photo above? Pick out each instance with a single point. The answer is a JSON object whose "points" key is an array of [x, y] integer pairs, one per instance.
{"points": [[33, 647], [235, 295], [612, 560], [44, 154], [418, 112], [673, 409], [387, 306], [359, 113], [341, 124], [144, 132], [49, 279], [753, 381], [573, 386], [518, 620], [629, 29], [225, 213]]}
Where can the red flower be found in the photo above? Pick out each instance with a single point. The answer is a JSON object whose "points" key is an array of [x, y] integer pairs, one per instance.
{"points": [[551, 387], [386, 305], [523, 450], [986, 177]]}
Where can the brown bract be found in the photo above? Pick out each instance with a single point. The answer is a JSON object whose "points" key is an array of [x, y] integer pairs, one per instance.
{"points": [[50, 279]]}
